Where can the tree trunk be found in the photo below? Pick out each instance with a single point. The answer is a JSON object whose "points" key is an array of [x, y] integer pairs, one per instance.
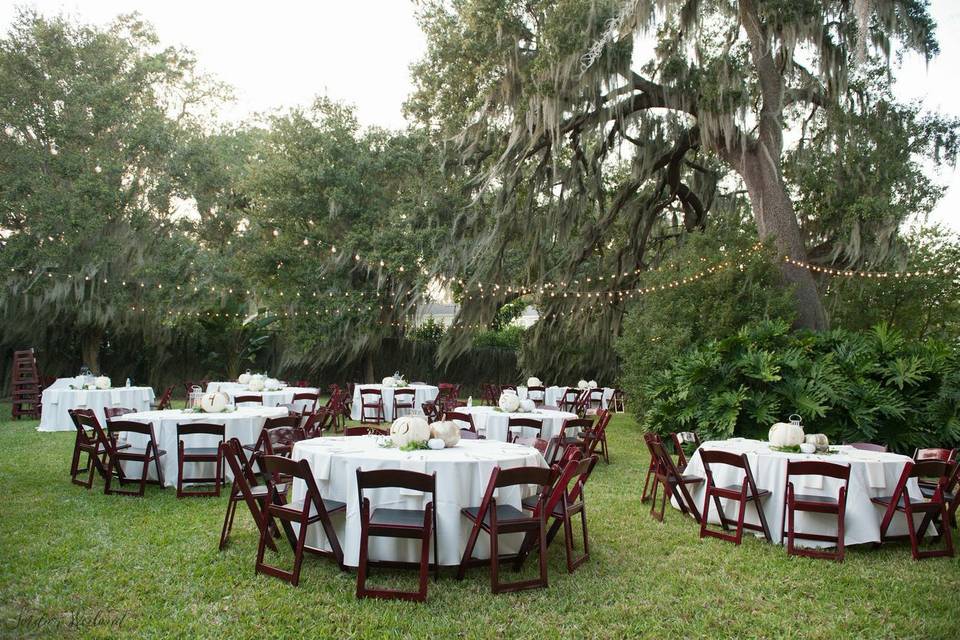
{"points": [[774, 215], [90, 349], [368, 368]]}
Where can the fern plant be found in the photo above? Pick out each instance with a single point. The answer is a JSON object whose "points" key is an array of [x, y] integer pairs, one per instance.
{"points": [[872, 386]]}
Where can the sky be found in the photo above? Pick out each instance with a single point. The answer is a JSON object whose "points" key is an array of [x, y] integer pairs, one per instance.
{"points": [[284, 53]]}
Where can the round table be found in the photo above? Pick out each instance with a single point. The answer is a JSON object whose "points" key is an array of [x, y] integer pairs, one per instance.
{"points": [[423, 393], [462, 472], [244, 423], [57, 400], [492, 422], [872, 474], [269, 398]]}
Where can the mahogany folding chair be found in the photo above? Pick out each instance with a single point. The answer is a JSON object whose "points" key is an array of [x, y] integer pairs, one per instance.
{"points": [[116, 412], [317, 422], [951, 492], [538, 395], [404, 399], [248, 399], [188, 455], [565, 502], [934, 508], [92, 441], [570, 399], [164, 402], [573, 433], [651, 467], [943, 455], [815, 503], [868, 446], [743, 494], [310, 401], [596, 438], [594, 401], [681, 438], [417, 524], [520, 424], [461, 416], [431, 410], [488, 393], [371, 399], [500, 519], [467, 434], [246, 488], [311, 509], [617, 401], [278, 436], [143, 455], [364, 431], [673, 482]]}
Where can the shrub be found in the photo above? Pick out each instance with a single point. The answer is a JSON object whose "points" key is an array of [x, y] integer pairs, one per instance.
{"points": [[869, 386]]}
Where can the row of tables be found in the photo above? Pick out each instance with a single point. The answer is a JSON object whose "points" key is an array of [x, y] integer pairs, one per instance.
{"points": [[462, 471]]}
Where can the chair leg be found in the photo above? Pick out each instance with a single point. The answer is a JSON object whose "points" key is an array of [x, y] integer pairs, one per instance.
{"points": [[362, 564], [298, 552], [644, 497], [227, 522], [468, 551]]}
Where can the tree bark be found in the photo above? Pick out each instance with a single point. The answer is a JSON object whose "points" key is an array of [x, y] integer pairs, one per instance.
{"points": [[775, 217], [90, 349], [368, 368]]}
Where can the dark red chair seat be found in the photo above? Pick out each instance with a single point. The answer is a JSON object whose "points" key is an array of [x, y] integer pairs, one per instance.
{"points": [[412, 518], [127, 453], [808, 499], [734, 489], [201, 451], [296, 507], [505, 512], [927, 491]]}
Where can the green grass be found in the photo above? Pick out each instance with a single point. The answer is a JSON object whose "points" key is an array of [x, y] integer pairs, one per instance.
{"points": [[154, 561]]}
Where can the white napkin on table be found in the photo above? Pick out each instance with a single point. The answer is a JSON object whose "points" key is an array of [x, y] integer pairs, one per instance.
{"points": [[873, 466]]}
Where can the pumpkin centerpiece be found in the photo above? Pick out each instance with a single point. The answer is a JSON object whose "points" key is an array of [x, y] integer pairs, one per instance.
{"points": [[534, 381], [819, 440], [256, 383], [527, 405], [786, 434], [244, 378], [583, 384], [409, 429], [102, 382], [446, 430], [592, 384], [214, 402], [272, 384], [509, 401]]}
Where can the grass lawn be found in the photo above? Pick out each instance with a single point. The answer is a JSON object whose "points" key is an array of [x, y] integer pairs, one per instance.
{"points": [[151, 568]]}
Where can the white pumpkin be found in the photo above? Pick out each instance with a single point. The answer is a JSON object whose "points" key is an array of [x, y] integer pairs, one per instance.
{"points": [[435, 443], [785, 434], [256, 383], [447, 430], [509, 401], [389, 382], [272, 384], [583, 384], [409, 429], [527, 405], [216, 402], [103, 382], [244, 378], [534, 382], [592, 384], [818, 439]]}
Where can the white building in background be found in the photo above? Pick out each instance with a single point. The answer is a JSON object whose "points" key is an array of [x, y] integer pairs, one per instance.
{"points": [[442, 309], [443, 313]]}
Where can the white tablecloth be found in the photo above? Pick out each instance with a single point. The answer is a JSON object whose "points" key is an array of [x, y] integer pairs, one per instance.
{"points": [[59, 398], [424, 393], [245, 423], [872, 474], [270, 398], [492, 422], [462, 476]]}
